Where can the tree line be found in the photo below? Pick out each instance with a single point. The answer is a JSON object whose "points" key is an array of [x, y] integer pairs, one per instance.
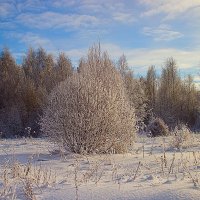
{"points": [[25, 90], [174, 99]]}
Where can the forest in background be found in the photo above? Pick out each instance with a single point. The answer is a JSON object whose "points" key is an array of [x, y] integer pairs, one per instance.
{"points": [[24, 90]]}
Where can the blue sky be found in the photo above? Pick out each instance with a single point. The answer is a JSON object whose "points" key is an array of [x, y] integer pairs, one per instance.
{"points": [[146, 31]]}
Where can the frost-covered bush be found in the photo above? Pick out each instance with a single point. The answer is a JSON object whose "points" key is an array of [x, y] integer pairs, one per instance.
{"points": [[157, 127], [90, 111], [181, 137]]}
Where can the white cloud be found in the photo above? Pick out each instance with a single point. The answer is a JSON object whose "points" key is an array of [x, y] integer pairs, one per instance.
{"points": [[197, 78], [91, 8], [141, 58], [106, 10], [163, 32], [18, 55], [171, 8], [157, 57], [197, 81], [85, 13], [76, 54], [124, 17], [12, 7], [31, 39], [63, 3], [34, 40], [33, 5], [6, 8], [7, 25], [57, 20]]}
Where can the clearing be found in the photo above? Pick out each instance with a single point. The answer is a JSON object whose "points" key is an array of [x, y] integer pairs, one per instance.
{"points": [[36, 169]]}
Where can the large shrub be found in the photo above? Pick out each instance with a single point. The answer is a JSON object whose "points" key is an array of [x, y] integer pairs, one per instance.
{"points": [[90, 112]]}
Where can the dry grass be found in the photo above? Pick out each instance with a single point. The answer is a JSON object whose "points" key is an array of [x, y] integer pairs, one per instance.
{"points": [[17, 176], [166, 166], [152, 161]]}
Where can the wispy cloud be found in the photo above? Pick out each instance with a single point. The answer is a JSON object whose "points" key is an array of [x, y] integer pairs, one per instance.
{"points": [[13, 8], [171, 8], [63, 3], [197, 78], [141, 58], [197, 81], [31, 39], [34, 40], [122, 26], [6, 8], [145, 57], [7, 25], [113, 9], [124, 17], [31, 5], [57, 20], [163, 32]]}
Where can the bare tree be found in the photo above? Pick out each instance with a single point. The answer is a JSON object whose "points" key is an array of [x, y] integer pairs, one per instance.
{"points": [[9, 79], [134, 89], [169, 93], [63, 68], [176, 99], [151, 86]]}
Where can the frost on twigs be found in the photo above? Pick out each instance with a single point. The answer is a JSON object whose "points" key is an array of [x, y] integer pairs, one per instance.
{"points": [[182, 137], [90, 112]]}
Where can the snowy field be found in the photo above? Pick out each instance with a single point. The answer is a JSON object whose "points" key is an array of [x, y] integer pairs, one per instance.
{"points": [[35, 169]]}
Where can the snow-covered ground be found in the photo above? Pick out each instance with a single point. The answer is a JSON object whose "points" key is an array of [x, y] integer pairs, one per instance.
{"points": [[36, 169]]}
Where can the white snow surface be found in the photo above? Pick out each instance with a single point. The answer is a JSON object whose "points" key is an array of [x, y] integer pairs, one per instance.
{"points": [[153, 170]]}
